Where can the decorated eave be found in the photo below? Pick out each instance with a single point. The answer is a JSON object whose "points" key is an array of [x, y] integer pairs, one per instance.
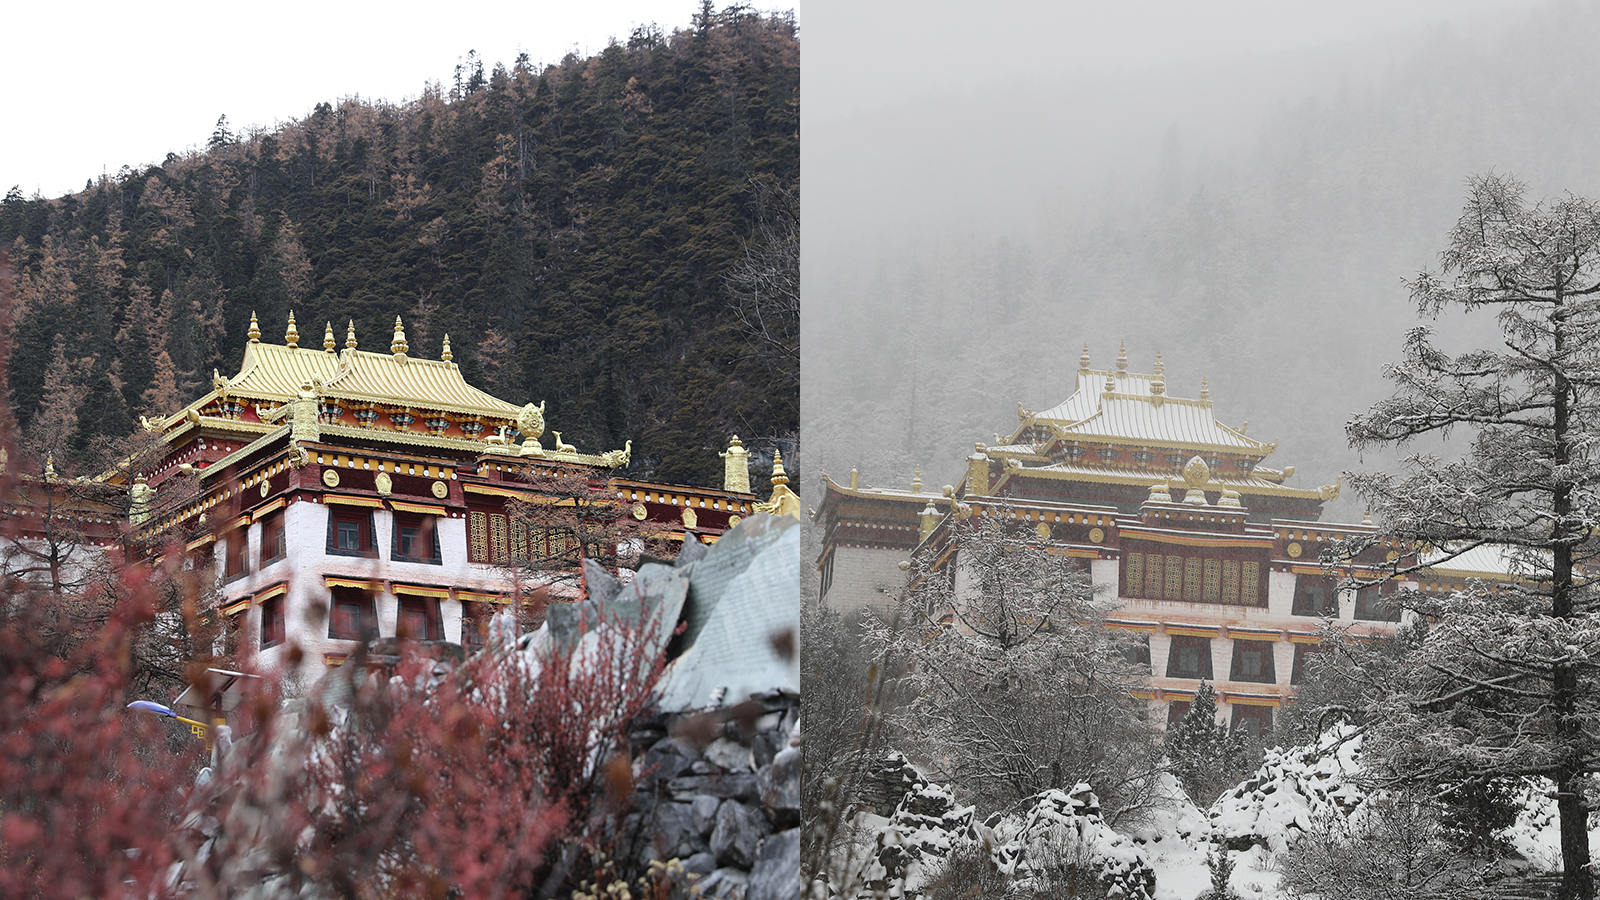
{"points": [[906, 501]]}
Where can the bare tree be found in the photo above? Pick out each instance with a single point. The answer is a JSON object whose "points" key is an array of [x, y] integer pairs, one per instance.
{"points": [[1017, 687], [764, 286]]}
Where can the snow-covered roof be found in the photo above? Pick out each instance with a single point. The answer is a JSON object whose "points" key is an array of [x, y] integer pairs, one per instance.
{"points": [[1136, 411]]}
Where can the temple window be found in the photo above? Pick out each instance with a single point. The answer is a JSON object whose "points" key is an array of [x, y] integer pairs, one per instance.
{"points": [[1252, 720], [419, 619], [1302, 658], [1252, 661], [1377, 603], [352, 616], [416, 539], [1137, 652], [350, 533], [1189, 657], [273, 540], [236, 558], [475, 618], [1315, 596], [1176, 711], [272, 621]]}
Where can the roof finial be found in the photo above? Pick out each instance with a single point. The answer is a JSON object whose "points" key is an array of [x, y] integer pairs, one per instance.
{"points": [[778, 476], [1205, 388], [350, 336], [1111, 383], [1159, 367], [49, 466], [328, 343], [1083, 361], [916, 481], [445, 354], [398, 346], [255, 329], [1158, 385], [291, 335], [1366, 517], [1122, 359]]}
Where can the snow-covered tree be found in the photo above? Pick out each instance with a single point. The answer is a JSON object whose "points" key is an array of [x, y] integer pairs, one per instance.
{"points": [[1506, 680], [1017, 688], [1204, 754]]}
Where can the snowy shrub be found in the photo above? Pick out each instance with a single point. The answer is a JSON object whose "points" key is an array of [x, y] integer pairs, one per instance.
{"points": [[1062, 847], [1391, 848], [926, 826], [1292, 790]]}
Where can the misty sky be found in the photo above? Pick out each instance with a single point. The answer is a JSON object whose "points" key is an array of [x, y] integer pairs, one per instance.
{"points": [[94, 86]]}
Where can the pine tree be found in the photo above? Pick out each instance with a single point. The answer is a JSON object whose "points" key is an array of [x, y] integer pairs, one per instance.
{"points": [[1202, 753], [1504, 682]]}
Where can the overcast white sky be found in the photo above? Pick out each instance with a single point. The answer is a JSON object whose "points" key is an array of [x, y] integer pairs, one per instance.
{"points": [[94, 86]]}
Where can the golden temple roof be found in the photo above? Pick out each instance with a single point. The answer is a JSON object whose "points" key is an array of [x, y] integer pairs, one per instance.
{"points": [[276, 373], [1137, 410]]}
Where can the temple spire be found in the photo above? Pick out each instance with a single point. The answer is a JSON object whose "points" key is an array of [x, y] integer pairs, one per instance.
{"points": [[328, 343], [1083, 361], [1122, 359], [445, 353], [350, 336], [398, 346], [1205, 388], [255, 329], [291, 335], [1158, 384]]}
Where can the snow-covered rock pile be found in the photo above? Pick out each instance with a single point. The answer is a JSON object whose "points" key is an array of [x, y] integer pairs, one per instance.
{"points": [[1061, 838], [1289, 792], [925, 827]]}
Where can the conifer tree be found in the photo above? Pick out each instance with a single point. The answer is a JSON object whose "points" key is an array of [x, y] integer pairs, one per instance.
{"points": [[1202, 753], [1506, 679]]}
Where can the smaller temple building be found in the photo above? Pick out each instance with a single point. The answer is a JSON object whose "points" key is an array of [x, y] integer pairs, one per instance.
{"points": [[1197, 546]]}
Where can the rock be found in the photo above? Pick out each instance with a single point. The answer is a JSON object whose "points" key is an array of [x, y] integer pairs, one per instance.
{"points": [[740, 786], [700, 864], [705, 814], [729, 756], [673, 830], [780, 788], [668, 759], [738, 834], [776, 873], [764, 746], [723, 884]]}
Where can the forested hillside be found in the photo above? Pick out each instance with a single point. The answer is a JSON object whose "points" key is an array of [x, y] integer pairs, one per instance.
{"points": [[571, 228]]}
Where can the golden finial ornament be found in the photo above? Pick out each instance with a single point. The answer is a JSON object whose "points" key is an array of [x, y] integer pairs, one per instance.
{"points": [[445, 353], [916, 481], [398, 346], [1111, 383], [291, 335], [328, 343], [1122, 359], [350, 336], [49, 466], [255, 329], [736, 467], [778, 476], [1158, 385], [1083, 361], [1205, 388]]}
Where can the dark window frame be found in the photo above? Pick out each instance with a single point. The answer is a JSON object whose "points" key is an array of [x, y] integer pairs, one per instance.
{"points": [[1378, 603], [236, 554], [366, 611], [273, 622], [427, 527], [433, 622], [1302, 658], [274, 539], [1244, 713], [1268, 675], [1306, 587], [1201, 645], [362, 518]]}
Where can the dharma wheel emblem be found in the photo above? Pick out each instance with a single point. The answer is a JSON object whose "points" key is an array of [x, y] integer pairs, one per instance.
{"points": [[330, 478], [639, 511], [440, 490], [1295, 550]]}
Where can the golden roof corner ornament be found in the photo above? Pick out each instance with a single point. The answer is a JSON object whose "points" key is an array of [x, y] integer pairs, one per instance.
{"points": [[784, 502], [350, 336], [444, 353], [291, 335], [219, 383], [530, 421], [151, 427], [398, 346], [1331, 491], [255, 329], [736, 467], [616, 459], [328, 342]]}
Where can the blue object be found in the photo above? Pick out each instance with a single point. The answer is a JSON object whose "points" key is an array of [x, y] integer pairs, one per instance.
{"points": [[151, 706]]}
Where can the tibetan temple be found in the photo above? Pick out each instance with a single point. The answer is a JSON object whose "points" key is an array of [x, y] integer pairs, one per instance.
{"points": [[343, 493], [1199, 546]]}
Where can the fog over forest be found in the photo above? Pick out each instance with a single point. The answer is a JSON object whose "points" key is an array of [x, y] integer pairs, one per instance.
{"points": [[1251, 217]]}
